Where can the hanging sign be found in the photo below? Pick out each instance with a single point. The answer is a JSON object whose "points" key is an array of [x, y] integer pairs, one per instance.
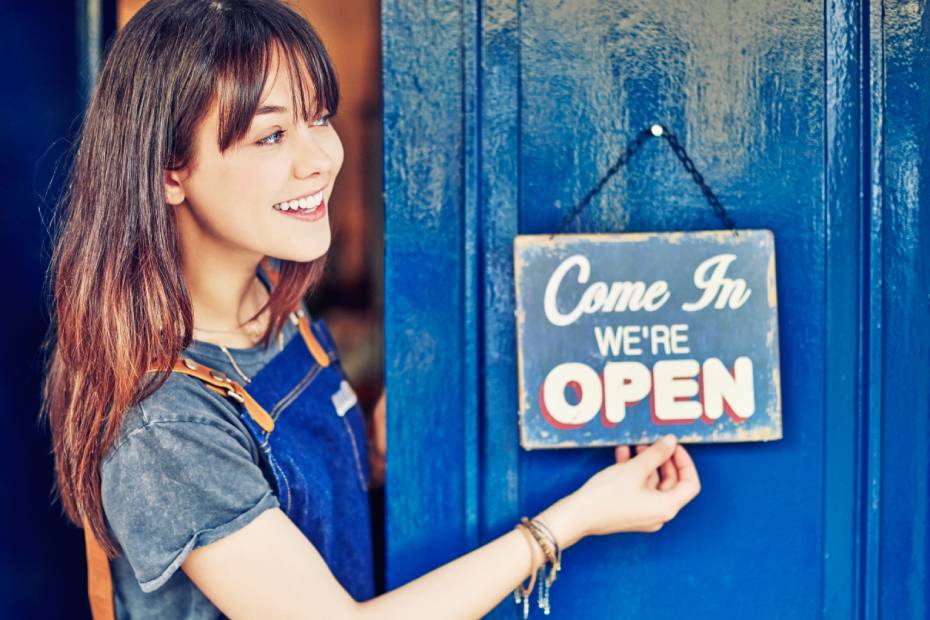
{"points": [[623, 338]]}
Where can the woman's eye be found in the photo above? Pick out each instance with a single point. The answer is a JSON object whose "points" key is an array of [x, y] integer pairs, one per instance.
{"points": [[273, 138], [322, 121]]}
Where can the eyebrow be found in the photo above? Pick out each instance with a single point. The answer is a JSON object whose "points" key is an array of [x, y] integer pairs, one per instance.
{"points": [[270, 109]]}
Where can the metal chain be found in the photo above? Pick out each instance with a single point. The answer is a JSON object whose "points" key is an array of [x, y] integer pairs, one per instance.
{"points": [[656, 131], [631, 148], [709, 194]]}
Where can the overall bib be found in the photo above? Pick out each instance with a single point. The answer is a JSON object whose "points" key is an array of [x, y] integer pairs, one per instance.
{"points": [[311, 435]]}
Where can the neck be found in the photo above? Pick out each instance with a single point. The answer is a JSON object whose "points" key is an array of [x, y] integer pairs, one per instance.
{"points": [[224, 290], [225, 298]]}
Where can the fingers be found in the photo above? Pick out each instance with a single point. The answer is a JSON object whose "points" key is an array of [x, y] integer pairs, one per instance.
{"points": [[688, 486], [656, 454], [669, 468], [652, 481], [680, 484], [669, 475], [688, 479]]}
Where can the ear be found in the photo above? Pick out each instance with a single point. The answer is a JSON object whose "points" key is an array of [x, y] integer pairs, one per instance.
{"points": [[174, 189]]}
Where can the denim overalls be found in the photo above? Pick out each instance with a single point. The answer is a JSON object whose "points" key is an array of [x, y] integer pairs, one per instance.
{"points": [[306, 421]]}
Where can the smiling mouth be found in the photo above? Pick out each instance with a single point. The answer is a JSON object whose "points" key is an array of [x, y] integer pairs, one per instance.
{"points": [[305, 204]]}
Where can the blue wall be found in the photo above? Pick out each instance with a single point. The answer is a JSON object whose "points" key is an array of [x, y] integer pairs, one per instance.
{"points": [[808, 119]]}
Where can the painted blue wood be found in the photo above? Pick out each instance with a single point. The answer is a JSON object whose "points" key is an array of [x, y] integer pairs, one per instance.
{"points": [[472, 231], [742, 84], [502, 489], [844, 470], [807, 119], [871, 356], [902, 232], [426, 342]]}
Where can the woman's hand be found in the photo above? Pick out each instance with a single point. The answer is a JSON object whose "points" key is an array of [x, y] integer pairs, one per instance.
{"points": [[639, 494], [632, 495]]}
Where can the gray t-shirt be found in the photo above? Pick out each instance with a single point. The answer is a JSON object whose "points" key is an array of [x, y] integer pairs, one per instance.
{"points": [[183, 473]]}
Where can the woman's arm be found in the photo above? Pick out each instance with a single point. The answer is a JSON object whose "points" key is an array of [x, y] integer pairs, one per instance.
{"points": [[269, 569]]}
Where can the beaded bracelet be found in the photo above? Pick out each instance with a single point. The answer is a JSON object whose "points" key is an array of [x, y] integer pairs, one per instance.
{"points": [[552, 553], [522, 594]]}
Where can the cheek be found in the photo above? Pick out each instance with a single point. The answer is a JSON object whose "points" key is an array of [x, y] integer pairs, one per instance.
{"points": [[251, 180], [232, 192], [335, 151]]}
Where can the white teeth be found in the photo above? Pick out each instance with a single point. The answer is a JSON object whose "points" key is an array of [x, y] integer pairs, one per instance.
{"points": [[309, 203]]}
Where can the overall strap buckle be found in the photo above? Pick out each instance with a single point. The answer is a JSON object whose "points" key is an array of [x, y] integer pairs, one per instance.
{"points": [[223, 385]]}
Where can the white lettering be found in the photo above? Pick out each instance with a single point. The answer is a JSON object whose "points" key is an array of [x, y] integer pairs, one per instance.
{"points": [[674, 382], [631, 339], [671, 384], [624, 383], [717, 285], [608, 340], [552, 290], [731, 391], [589, 400], [679, 339], [660, 335], [599, 296]]}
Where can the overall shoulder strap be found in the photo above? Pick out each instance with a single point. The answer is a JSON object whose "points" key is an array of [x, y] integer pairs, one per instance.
{"points": [[99, 582], [299, 318], [223, 385], [270, 271]]}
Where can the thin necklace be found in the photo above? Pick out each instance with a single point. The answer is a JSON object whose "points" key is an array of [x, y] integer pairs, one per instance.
{"points": [[251, 328], [232, 360]]}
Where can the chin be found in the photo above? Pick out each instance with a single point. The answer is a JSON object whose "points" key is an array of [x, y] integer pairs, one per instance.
{"points": [[303, 254], [301, 246]]}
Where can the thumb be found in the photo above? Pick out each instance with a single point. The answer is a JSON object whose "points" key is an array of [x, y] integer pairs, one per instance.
{"points": [[656, 454]]}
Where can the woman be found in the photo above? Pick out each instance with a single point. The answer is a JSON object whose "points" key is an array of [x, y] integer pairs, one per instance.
{"points": [[200, 420]]}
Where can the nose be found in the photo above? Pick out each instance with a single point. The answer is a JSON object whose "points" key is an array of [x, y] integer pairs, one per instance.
{"points": [[311, 158]]}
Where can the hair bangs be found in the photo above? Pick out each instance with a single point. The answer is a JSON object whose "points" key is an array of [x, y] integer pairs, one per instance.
{"points": [[261, 46]]}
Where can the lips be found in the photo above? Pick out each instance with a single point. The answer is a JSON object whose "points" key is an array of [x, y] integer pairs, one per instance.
{"points": [[308, 214], [307, 202]]}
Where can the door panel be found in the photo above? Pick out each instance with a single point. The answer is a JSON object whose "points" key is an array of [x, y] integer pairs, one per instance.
{"points": [[500, 115], [741, 84]]}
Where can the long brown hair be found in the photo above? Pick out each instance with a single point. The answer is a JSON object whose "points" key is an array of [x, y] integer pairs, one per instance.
{"points": [[119, 302]]}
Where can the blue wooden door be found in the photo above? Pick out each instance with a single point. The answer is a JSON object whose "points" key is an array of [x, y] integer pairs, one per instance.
{"points": [[808, 119]]}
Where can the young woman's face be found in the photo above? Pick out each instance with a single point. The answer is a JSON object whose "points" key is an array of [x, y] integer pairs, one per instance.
{"points": [[268, 194]]}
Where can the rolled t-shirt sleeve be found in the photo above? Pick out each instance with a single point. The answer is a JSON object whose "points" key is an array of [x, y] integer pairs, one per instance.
{"points": [[174, 485]]}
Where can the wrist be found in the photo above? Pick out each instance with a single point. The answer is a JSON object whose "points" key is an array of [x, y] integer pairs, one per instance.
{"points": [[537, 556], [563, 518]]}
